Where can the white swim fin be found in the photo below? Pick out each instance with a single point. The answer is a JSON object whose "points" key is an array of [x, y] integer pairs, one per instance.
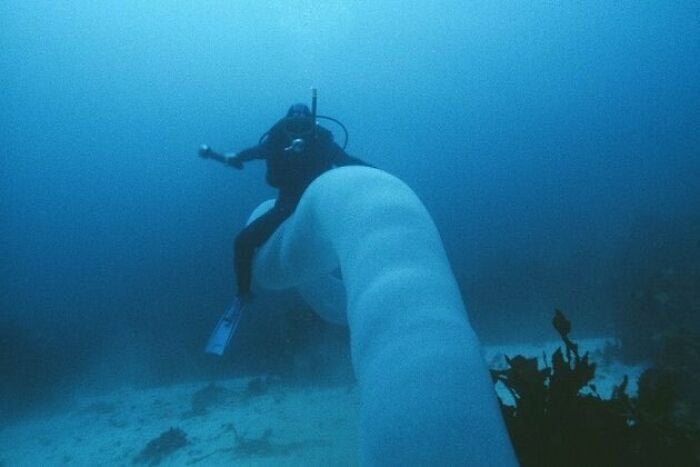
{"points": [[225, 328]]}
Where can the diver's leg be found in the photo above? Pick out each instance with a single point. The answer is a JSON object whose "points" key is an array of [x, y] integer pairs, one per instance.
{"points": [[249, 239]]}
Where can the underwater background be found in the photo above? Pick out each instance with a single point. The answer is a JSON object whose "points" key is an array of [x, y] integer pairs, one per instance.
{"points": [[554, 143]]}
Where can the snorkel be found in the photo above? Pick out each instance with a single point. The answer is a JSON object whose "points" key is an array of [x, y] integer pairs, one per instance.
{"points": [[315, 116], [314, 98]]}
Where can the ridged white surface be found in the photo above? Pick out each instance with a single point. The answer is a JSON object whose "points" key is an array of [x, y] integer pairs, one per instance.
{"points": [[427, 397]]}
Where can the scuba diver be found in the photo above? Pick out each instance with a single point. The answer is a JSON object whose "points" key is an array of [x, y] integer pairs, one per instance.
{"points": [[296, 150]]}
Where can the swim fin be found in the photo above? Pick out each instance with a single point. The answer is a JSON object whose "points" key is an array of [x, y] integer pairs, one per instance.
{"points": [[225, 328]]}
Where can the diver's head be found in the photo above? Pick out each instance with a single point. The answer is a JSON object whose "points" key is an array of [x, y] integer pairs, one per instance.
{"points": [[299, 121], [299, 111]]}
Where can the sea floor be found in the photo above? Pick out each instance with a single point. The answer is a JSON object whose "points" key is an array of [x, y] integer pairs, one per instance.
{"points": [[244, 421]]}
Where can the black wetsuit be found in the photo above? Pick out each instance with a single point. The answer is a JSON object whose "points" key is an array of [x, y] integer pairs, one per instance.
{"points": [[291, 173]]}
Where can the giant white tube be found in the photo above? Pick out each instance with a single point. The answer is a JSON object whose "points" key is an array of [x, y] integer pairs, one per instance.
{"points": [[426, 395]]}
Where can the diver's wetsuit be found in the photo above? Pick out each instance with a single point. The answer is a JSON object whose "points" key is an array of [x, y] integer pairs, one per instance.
{"points": [[290, 172]]}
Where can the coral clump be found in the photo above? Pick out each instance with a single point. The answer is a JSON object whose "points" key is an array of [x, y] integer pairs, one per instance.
{"points": [[553, 422], [161, 447]]}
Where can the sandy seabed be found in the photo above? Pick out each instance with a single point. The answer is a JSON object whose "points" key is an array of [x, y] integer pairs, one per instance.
{"points": [[243, 421]]}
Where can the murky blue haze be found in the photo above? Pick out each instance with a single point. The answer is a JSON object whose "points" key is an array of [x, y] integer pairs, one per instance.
{"points": [[550, 141]]}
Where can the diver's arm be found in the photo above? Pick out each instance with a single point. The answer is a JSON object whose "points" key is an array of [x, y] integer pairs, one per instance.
{"points": [[252, 153], [234, 160]]}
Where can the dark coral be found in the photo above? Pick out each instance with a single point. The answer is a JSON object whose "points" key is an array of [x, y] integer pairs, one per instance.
{"points": [[161, 447], [553, 423]]}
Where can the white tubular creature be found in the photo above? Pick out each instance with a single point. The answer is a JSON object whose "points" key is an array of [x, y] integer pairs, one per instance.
{"points": [[426, 394]]}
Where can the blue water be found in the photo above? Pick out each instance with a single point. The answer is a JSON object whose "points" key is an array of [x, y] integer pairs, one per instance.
{"points": [[550, 141]]}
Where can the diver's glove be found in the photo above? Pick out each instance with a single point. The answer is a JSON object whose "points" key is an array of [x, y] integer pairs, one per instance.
{"points": [[234, 161]]}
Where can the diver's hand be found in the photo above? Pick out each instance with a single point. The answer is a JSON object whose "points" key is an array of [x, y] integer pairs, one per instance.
{"points": [[205, 151], [234, 161]]}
